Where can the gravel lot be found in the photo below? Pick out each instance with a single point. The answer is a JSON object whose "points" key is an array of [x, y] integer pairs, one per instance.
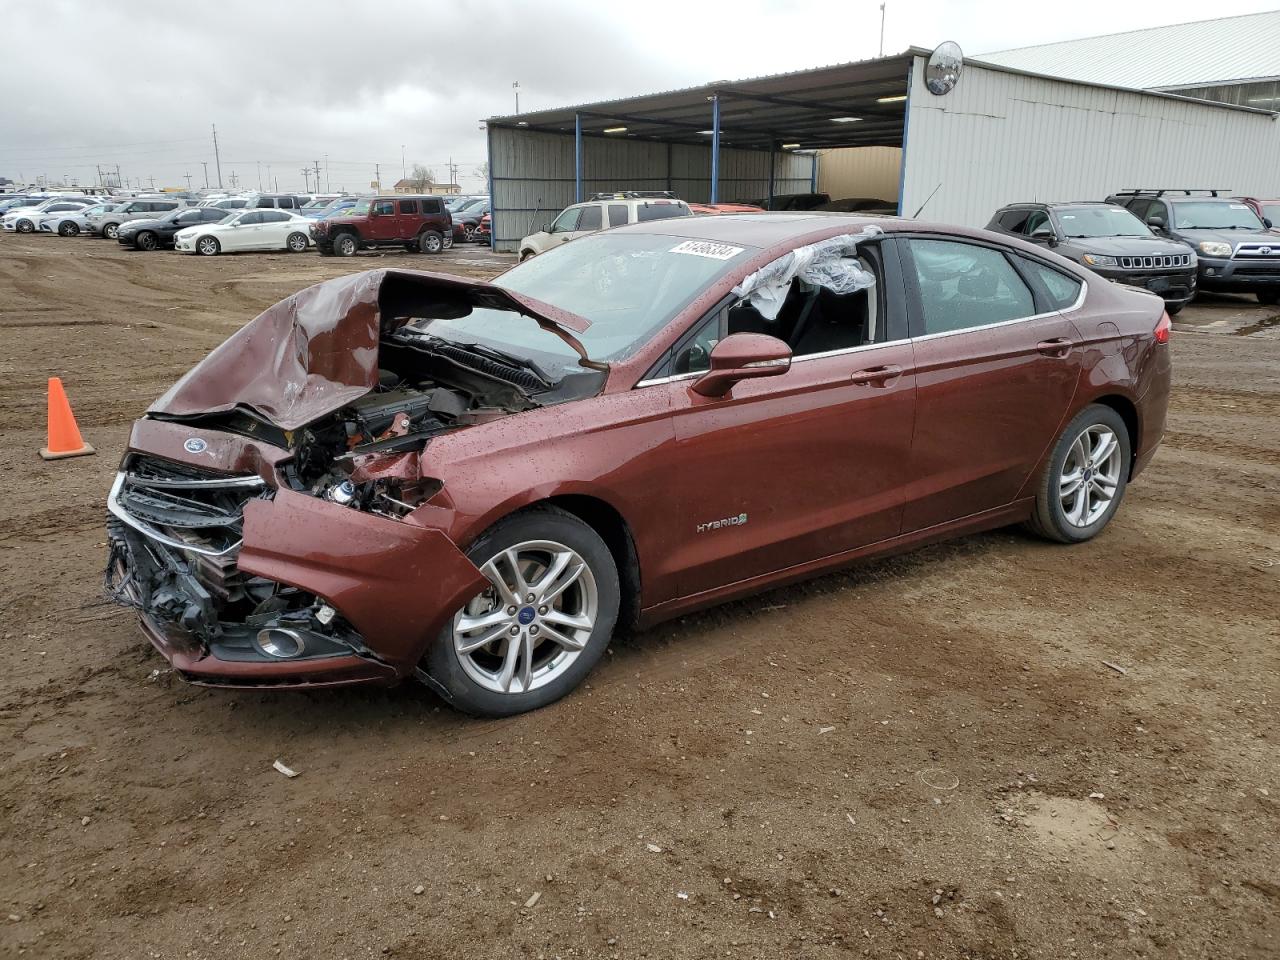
{"points": [[922, 757]]}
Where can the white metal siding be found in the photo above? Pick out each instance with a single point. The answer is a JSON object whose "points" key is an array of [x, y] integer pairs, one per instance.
{"points": [[1001, 138], [533, 174]]}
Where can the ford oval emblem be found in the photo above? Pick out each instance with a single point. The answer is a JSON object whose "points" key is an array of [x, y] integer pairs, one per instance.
{"points": [[195, 445]]}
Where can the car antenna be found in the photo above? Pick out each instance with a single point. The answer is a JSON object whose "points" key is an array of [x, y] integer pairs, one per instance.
{"points": [[926, 201]]}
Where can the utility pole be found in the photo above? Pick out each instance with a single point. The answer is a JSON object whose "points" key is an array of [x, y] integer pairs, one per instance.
{"points": [[306, 173], [118, 180], [234, 178], [404, 171], [188, 176], [205, 164], [318, 176], [516, 87], [328, 184], [217, 157], [277, 190], [99, 166], [259, 162], [377, 175], [882, 6]]}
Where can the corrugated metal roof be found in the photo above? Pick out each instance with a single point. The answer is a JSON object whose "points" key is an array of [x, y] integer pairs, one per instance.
{"points": [[1181, 55]]}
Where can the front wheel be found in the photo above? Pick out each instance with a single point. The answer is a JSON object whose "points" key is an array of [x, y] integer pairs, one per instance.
{"points": [[542, 623], [296, 243], [1269, 297], [208, 247], [430, 242], [146, 240], [345, 245], [25, 226], [68, 229], [1086, 477]]}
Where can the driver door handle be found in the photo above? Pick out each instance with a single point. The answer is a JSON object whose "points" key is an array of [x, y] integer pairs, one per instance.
{"points": [[877, 376], [1058, 347]]}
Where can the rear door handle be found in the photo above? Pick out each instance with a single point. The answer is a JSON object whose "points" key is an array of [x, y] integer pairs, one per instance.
{"points": [[1057, 347], [877, 376]]}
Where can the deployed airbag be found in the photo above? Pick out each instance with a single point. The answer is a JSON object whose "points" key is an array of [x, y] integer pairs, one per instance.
{"points": [[831, 263]]}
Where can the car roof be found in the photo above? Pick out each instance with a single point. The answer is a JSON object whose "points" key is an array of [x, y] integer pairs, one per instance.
{"points": [[764, 229]]}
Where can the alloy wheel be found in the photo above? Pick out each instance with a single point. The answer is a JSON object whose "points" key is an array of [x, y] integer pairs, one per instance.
{"points": [[146, 240], [109, 231], [207, 246], [1090, 475], [532, 622], [297, 242]]}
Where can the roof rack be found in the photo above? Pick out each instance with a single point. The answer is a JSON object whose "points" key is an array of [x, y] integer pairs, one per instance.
{"points": [[635, 195], [1186, 191]]}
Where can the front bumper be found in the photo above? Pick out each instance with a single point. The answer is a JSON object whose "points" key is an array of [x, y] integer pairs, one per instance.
{"points": [[1239, 275], [1175, 286], [369, 594], [184, 244]]}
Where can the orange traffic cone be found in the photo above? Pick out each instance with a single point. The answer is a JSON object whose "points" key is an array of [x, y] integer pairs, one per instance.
{"points": [[64, 435]]}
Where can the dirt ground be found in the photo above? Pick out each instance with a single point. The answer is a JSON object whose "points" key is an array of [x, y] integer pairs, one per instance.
{"points": [[931, 756]]}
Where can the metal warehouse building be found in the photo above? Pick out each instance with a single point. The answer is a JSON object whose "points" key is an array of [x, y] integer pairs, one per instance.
{"points": [[1000, 135]]}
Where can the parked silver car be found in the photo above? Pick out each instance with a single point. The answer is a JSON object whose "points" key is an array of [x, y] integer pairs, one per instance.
{"points": [[72, 223], [106, 224]]}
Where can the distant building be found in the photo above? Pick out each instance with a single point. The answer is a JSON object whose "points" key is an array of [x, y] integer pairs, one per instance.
{"points": [[1232, 60], [425, 186]]}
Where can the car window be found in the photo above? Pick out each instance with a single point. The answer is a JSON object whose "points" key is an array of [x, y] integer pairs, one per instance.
{"points": [[694, 355], [567, 221], [660, 211], [1157, 209], [191, 216], [384, 207], [617, 214], [408, 206], [590, 219], [1213, 215], [432, 206], [64, 206], [252, 217], [213, 214], [1036, 220], [1063, 290], [963, 285], [1139, 208], [287, 203], [275, 216], [1013, 220]]}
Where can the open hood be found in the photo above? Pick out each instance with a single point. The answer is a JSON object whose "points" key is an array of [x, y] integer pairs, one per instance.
{"points": [[317, 351]]}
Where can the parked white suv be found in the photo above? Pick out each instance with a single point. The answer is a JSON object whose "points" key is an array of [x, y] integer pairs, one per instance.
{"points": [[599, 213]]}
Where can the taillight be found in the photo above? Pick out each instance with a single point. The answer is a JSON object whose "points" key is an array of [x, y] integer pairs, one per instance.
{"points": [[1163, 328]]}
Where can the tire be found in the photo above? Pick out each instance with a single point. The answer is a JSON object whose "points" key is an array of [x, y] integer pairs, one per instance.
{"points": [[1173, 309], [468, 233], [68, 229], [146, 240], [446, 241], [109, 230], [208, 246], [430, 242], [296, 243], [24, 226], [1269, 297], [474, 680], [345, 245], [1079, 442]]}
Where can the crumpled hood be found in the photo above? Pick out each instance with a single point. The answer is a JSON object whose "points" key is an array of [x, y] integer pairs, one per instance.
{"points": [[315, 352]]}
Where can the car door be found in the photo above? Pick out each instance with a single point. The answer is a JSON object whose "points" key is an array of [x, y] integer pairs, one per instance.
{"points": [[244, 234], [996, 369], [790, 469], [564, 227], [275, 227], [407, 219], [382, 221]]}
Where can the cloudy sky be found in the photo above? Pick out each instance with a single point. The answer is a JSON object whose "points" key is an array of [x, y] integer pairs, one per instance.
{"points": [[140, 82]]}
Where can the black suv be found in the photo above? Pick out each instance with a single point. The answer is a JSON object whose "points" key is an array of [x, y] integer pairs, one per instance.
{"points": [[1236, 251], [1110, 241]]}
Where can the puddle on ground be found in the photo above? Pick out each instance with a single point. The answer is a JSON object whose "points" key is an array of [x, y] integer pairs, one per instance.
{"points": [[1263, 324]]}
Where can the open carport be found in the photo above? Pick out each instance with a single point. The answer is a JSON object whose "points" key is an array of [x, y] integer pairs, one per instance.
{"points": [[1001, 135]]}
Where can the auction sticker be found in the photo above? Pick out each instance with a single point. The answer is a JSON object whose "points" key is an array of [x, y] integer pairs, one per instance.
{"points": [[704, 248]]}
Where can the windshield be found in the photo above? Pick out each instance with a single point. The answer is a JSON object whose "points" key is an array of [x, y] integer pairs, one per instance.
{"points": [[360, 208], [1101, 222], [1214, 215], [628, 285]]}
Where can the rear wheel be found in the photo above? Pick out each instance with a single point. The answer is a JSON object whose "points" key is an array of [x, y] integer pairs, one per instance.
{"points": [[296, 243], [345, 245], [1086, 477], [208, 247], [430, 242], [542, 623], [146, 240], [1270, 296], [67, 228]]}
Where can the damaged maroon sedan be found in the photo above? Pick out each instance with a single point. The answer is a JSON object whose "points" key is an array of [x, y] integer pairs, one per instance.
{"points": [[400, 475]]}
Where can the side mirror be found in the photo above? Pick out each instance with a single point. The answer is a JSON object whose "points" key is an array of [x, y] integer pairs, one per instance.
{"points": [[1155, 223], [1266, 222], [1044, 235], [743, 356]]}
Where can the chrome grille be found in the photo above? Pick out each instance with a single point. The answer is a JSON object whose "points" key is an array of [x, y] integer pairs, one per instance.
{"points": [[1156, 262], [1259, 251], [182, 506]]}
